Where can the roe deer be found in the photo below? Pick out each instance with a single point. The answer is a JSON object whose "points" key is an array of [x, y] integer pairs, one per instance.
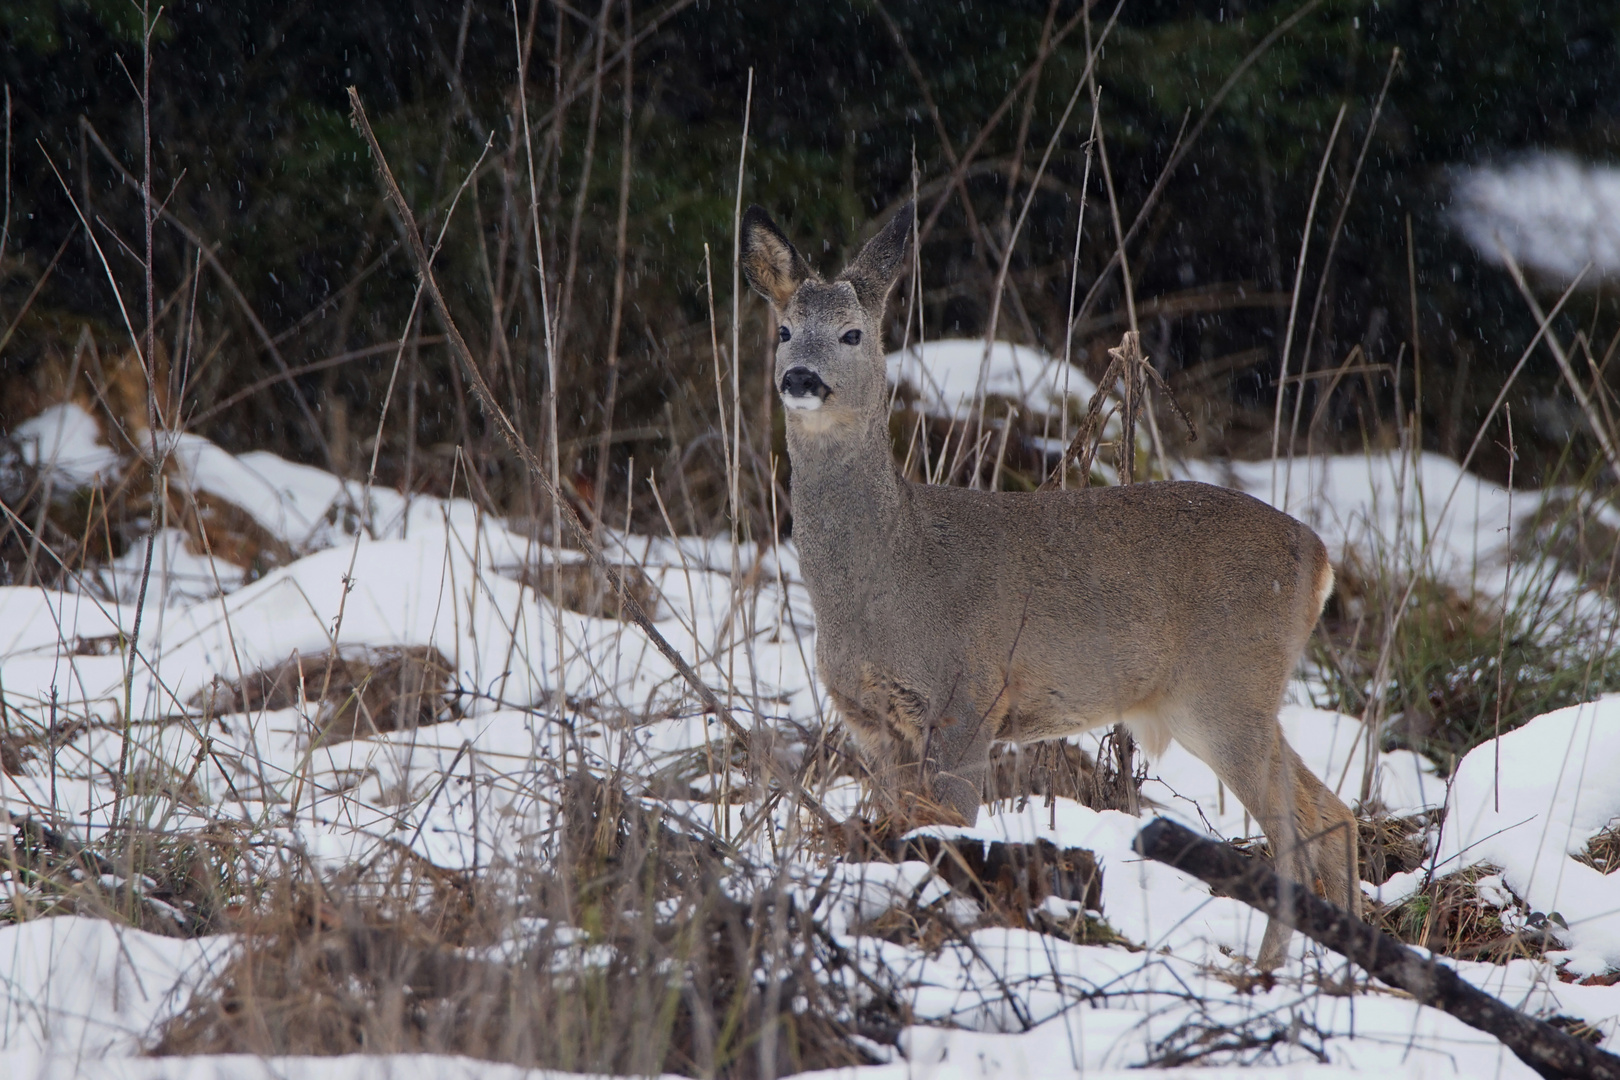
{"points": [[948, 619]]}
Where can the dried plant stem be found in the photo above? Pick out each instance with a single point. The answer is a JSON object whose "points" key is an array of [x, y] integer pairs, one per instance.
{"points": [[147, 362], [734, 454], [565, 307], [1293, 305], [985, 246], [514, 439], [1605, 438], [315, 429], [722, 817], [574, 86], [1086, 75], [1068, 324], [916, 306], [194, 420], [1373, 716], [1017, 167], [734, 460], [1327, 264], [480, 388], [5, 216], [1182, 146], [1133, 360], [368, 525], [1084, 443], [1501, 639], [1001, 451], [960, 168]]}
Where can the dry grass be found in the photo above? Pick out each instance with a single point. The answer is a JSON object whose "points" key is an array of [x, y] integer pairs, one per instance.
{"points": [[1461, 669], [1387, 845], [1448, 916], [1602, 852], [628, 939], [1572, 533], [178, 885], [586, 589], [1057, 769]]}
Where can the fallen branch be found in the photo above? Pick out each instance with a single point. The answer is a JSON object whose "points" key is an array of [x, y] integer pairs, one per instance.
{"points": [[1547, 1050]]}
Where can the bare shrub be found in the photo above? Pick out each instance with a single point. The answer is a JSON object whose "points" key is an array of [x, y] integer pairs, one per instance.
{"points": [[637, 950]]}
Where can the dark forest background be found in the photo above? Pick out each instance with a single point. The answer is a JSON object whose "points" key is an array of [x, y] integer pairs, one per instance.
{"points": [[279, 280]]}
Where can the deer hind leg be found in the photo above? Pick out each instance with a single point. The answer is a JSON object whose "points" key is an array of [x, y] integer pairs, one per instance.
{"points": [[1329, 829], [1322, 832], [1304, 823]]}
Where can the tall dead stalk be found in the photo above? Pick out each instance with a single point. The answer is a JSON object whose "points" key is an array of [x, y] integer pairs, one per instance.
{"points": [[620, 255]]}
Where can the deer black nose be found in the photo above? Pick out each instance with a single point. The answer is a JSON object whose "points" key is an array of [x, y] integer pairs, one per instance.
{"points": [[801, 382]]}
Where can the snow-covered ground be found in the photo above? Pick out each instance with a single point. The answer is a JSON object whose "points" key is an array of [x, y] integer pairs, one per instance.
{"points": [[1553, 213], [83, 997]]}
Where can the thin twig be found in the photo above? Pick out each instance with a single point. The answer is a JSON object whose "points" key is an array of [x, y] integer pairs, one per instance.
{"points": [[1074, 283], [1599, 430], [565, 306], [270, 344]]}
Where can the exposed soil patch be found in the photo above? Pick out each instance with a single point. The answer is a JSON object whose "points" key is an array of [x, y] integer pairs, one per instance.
{"points": [[357, 693], [587, 590]]}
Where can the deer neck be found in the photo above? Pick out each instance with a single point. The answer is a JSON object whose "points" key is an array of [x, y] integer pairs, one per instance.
{"points": [[846, 501]]}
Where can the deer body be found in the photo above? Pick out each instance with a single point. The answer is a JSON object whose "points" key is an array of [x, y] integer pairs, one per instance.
{"points": [[950, 619]]}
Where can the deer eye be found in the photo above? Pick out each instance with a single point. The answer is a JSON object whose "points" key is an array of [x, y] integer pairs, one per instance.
{"points": [[851, 337], [784, 333]]}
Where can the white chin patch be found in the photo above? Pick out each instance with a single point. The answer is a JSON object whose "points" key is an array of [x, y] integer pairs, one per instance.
{"points": [[807, 403]]}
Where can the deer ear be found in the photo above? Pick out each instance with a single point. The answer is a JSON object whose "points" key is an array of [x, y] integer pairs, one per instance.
{"points": [[772, 265], [873, 271]]}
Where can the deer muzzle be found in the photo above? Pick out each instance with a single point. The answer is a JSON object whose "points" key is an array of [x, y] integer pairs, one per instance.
{"points": [[803, 389]]}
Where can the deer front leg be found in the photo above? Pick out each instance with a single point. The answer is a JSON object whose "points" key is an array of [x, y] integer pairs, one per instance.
{"points": [[919, 780], [925, 769], [956, 759]]}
